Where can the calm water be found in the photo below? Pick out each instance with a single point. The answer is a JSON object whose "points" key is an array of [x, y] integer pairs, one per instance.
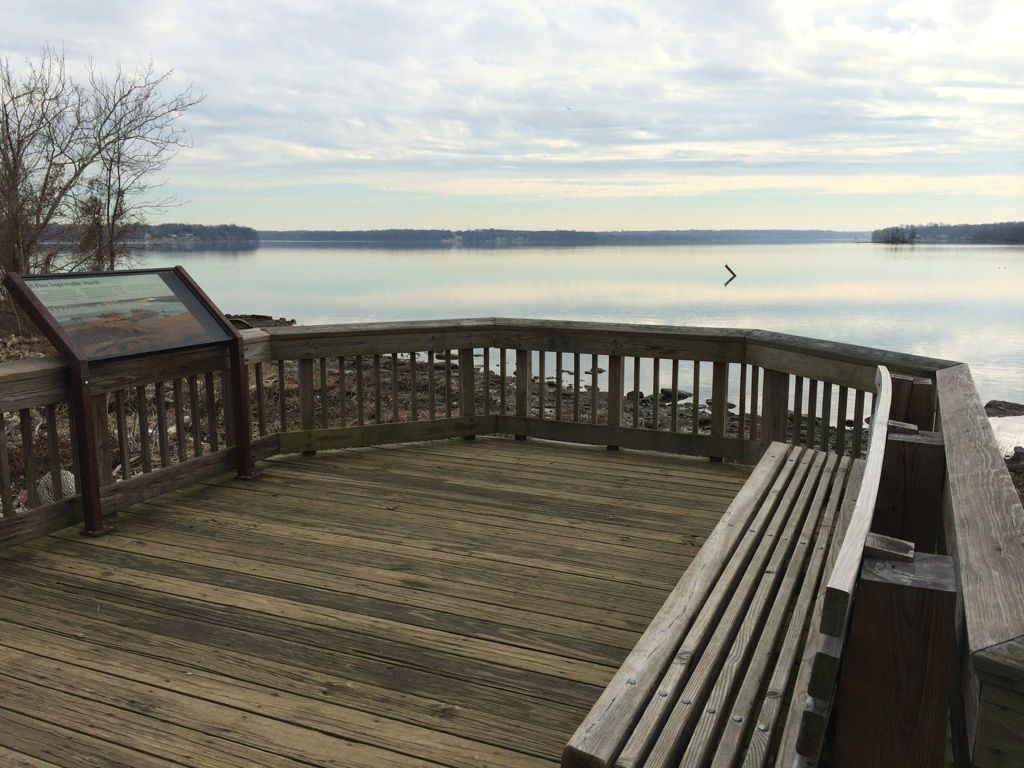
{"points": [[954, 302]]}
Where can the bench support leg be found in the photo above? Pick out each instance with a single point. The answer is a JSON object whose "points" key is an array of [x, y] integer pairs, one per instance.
{"points": [[893, 695]]}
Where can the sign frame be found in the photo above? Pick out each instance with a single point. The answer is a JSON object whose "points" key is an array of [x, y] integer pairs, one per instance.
{"points": [[84, 429]]}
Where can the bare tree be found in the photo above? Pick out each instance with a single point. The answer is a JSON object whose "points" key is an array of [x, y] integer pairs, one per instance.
{"points": [[145, 134], [83, 154]]}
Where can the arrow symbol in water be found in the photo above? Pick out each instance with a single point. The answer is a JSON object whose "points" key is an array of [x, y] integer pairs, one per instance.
{"points": [[731, 273]]}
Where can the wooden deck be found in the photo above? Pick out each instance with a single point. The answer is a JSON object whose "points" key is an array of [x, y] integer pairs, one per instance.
{"points": [[450, 603]]}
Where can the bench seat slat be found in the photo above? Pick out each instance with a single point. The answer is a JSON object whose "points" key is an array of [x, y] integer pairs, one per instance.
{"points": [[754, 643], [653, 735], [597, 741], [763, 729], [788, 746]]}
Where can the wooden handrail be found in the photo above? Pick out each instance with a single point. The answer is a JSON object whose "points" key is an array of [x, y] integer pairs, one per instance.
{"points": [[984, 524], [843, 579]]}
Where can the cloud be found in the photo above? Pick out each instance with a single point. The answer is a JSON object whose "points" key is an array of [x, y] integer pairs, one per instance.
{"points": [[538, 98]]}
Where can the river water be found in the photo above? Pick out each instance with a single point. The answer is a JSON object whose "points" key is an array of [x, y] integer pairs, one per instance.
{"points": [[955, 302]]}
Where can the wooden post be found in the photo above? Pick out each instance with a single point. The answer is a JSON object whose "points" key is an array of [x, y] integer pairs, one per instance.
{"points": [[913, 401], [720, 401], [909, 504], [774, 407], [524, 385], [103, 446], [897, 669], [616, 383], [467, 386], [306, 415]]}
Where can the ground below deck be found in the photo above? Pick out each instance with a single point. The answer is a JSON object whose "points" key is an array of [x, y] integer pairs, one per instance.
{"points": [[451, 603]]}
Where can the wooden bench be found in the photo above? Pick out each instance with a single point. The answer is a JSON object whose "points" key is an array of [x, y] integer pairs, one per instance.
{"points": [[754, 627]]}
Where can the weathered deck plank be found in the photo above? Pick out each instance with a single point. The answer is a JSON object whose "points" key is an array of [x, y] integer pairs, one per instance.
{"points": [[444, 604]]}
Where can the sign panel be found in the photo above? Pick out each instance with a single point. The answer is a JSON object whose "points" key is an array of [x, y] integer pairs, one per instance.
{"points": [[130, 313]]}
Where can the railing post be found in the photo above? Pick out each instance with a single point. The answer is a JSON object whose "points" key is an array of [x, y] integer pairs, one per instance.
{"points": [[467, 386], [913, 401], [719, 401], [909, 504], [774, 407], [306, 415], [524, 386], [616, 383], [893, 695]]}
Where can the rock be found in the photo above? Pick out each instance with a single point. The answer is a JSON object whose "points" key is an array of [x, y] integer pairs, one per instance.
{"points": [[633, 395], [668, 394], [1003, 408], [599, 370], [1015, 463], [728, 405]]}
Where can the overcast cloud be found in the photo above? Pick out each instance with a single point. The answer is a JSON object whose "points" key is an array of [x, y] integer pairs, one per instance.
{"points": [[577, 114]]}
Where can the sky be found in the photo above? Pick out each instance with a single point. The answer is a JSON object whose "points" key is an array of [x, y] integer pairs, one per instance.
{"points": [[573, 114]]}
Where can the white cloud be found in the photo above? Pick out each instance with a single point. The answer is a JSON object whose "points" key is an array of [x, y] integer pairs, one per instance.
{"points": [[586, 98]]}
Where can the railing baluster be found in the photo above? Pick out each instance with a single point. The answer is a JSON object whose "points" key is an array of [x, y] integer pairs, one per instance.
{"points": [[28, 456], [210, 390], [576, 387], [558, 386], [323, 393], [122, 435], [342, 394], [755, 375], [719, 400], [179, 421], [414, 393], [394, 387], [448, 383], [103, 452], [741, 427], [281, 405], [53, 448], [655, 392], [378, 407], [826, 413], [542, 389], [858, 423], [812, 412], [261, 413], [161, 425], [197, 434], [841, 421], [6, 501], [502, 396], [226, 399], [431, 385], [674, 424], [307, 414], [467, 384], [616, 382], [696, 397], [636, 393], [593, 389], [487, 381], [523, 386], [142, 419], [798, 407], [360, 392]]}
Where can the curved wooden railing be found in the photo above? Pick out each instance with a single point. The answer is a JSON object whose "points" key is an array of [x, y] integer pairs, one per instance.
{"points": [[319, 387]]}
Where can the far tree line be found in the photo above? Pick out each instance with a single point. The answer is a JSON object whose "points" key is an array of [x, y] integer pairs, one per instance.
{"points": [[1008, 232]]}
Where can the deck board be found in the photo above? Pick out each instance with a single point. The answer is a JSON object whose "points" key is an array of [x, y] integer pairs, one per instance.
{"points": [[440, 604]]}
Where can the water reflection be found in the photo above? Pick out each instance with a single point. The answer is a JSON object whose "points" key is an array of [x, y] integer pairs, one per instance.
{"points": [[953, 302]]}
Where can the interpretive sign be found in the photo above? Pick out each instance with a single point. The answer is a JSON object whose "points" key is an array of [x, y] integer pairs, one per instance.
{"points": [[124, 314], [97, 321]]}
